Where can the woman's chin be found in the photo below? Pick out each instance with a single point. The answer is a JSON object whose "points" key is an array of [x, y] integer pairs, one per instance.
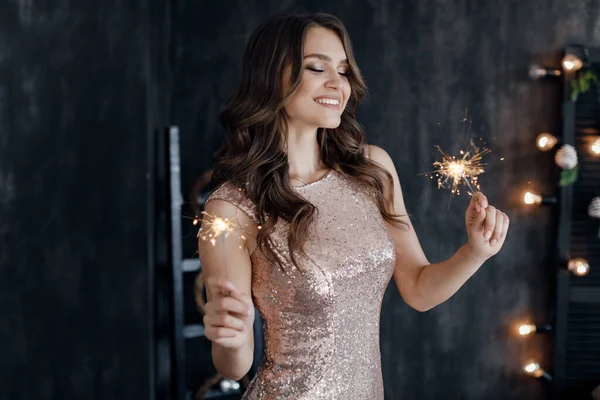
{"points": [[331, 123]]}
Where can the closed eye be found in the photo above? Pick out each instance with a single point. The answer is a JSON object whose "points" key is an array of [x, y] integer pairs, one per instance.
{"points": [[322, 70]]}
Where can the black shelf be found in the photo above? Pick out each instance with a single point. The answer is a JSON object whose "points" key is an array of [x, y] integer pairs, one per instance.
{"points": [[577, 330]]}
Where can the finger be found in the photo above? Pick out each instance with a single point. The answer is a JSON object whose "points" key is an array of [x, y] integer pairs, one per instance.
{"points": [[218, 286], [498, 228], [216, 333], [234, 293], [490, 222], [209, 283], [224, 320], [481, 199], [474, 206], [475, 213], [230, 304], [222, 287], [505, 226]]}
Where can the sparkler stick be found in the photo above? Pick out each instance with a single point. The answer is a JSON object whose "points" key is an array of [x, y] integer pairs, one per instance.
{"points": [[466, 181]]}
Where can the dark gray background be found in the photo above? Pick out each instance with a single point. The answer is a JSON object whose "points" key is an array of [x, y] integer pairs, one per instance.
{"points": [[82, 85]]}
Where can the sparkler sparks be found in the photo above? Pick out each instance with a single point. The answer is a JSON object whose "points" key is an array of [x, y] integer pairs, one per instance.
{"points": [[451, 171], [214, 227]]}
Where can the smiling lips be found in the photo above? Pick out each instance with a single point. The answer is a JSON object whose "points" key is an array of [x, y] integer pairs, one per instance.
{"points": [[329, 102]]}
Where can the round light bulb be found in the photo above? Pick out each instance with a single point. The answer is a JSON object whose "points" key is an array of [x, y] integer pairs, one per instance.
{"points": [[537, 71], [579, 266], [532, 198], [546, 141], [595, 147], [571, 63], [526, 329], [533, 368]]}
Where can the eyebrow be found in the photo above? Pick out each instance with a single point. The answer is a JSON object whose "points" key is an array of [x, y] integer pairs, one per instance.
{"points": [[323, 57]]}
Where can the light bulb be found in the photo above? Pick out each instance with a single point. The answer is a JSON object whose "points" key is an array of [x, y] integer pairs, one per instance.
{"points": [[579, 266], [545, 141], [571, 63], [536, 71], [532, 198], [595, 147], [526, 329], [533, 368]]}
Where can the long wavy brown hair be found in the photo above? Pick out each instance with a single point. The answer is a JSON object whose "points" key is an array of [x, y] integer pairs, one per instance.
{"points": [[254, 152]]}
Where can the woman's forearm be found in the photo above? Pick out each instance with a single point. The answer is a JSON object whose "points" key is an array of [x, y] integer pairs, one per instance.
{"points": [[436, 283], [232, 364]]}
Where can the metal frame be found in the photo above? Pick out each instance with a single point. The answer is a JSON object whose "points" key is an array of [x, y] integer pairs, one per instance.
{"points": [[174, 202]]}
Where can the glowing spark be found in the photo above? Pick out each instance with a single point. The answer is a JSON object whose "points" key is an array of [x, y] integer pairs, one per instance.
{"points": [[451, 171], [214, 227]]}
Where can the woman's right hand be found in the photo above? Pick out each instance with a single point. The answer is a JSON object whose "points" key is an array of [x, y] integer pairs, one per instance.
{"points": [[229, 315]]}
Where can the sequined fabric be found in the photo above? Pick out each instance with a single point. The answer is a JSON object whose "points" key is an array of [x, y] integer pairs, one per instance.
{"points": [[321, 326]]}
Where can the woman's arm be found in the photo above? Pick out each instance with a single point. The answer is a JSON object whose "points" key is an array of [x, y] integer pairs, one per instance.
{"points": [[423, 285], [231, 363]]}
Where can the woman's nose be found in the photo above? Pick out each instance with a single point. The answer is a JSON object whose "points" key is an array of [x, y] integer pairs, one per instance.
{"points": [[334, 81]]}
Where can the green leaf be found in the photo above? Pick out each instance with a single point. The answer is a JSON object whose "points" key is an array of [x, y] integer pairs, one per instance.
{"points": [[568, 176]]}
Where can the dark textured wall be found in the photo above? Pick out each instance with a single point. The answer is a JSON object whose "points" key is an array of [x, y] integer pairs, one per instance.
{"points": [[80, 94], [74, 98], [427, 62]]}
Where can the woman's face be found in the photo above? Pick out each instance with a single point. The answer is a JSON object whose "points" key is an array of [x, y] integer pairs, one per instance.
{"points": [[324, 90]]}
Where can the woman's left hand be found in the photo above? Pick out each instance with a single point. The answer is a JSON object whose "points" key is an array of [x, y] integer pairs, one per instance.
{"points": [[486, 227]]}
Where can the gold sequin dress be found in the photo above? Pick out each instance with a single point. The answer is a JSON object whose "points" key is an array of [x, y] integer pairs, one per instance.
{"points": [[321, 327]]}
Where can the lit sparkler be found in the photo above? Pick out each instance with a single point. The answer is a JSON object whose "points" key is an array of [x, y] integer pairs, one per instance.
{"points": [[214, 228], [451, 171]]}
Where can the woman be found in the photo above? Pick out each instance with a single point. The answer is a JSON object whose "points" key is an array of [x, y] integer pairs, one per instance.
{"points": [[322, 226]]}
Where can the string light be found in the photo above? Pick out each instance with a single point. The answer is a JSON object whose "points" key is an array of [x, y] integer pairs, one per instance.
{"points": [[526, 329], [529, 328], [532, 198], [579, 266], [546, 141], [595, 147], [537, 71], [571, 63], [533, 368]]}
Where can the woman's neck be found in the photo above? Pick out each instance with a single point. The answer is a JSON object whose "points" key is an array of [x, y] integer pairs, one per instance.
{"points": [[304, 155]]}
